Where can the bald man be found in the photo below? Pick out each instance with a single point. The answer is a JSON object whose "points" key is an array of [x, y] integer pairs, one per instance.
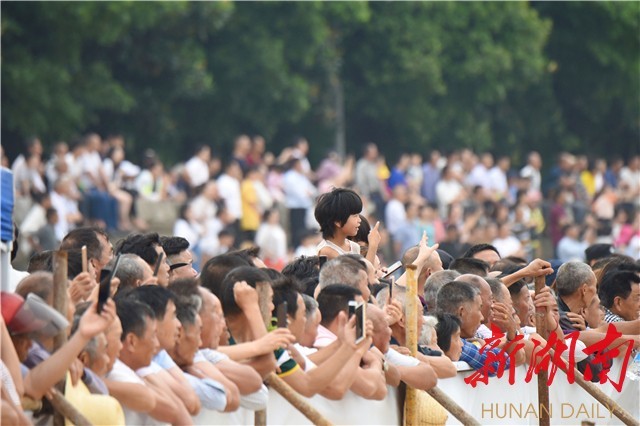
{"points": [[432, 265]]}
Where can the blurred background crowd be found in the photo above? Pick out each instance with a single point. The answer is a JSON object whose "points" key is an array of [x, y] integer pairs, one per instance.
{"points": [[253, 196]]}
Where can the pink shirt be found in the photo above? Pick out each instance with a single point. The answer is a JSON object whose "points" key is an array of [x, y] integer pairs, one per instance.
{"points": [[324, 338]]}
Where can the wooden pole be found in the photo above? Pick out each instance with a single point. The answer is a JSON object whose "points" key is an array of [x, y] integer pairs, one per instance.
{"points": [[541, 329], [451, 406], [411, 341], [411, 321], [60, 296], [296, 400], [64, 408], [599, 396]]}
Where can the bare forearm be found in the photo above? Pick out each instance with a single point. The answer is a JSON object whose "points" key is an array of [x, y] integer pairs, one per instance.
{"points": [[245, 378], [134, 396], [370, 384], [442, 365], [168, 407], [243, 351], [421, 376]]}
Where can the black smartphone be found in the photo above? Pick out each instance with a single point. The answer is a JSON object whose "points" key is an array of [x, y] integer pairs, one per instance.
{"points": [[322, 261], [393, 268], [361, 318], [158, 263], [281, 314], [106, 276]]}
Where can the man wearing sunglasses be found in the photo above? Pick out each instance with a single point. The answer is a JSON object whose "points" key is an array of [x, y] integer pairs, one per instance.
{"points": [[179, 258]]}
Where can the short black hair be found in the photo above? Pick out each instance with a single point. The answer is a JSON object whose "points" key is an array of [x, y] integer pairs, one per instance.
{"points": [[333, 299], [247, 254], [336, 206], [41, 261], [616, 283], [216, 269], [173, 245], [446, 326], [133, 316], [477, 248], [286, 290], [515, 288], [251, 275], [303, 267], [154, 296], [85, 236], [469, 265], [144, 245]]}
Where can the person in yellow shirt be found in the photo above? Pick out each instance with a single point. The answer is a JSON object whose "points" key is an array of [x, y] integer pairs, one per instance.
{"points": [[250, 220]]}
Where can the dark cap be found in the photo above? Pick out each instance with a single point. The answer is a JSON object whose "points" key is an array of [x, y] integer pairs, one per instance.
{"points": [[598, 251]]}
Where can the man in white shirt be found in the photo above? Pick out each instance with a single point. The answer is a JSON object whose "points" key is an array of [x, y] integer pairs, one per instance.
{"points": [[67, 207], [480, 173], [299, 194], [139, 343], [532, 171], [498, 178], [229, 190], [197, 168], [395, 214]]}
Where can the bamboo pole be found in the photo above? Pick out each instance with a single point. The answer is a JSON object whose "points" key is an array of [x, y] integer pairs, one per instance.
{"points": [[411, 341], [451, 406], [296, 400], [543, 389], [622, 414], [411, 321], [64, 408]]}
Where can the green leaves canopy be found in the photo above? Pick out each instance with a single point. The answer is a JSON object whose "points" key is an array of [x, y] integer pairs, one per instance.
{"points": [[416, 75]]}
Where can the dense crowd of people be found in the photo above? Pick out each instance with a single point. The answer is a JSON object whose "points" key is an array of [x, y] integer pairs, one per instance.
{"points": [[184, 331]]}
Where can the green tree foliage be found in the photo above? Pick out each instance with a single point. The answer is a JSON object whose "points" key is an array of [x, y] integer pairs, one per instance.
{"points": [[414, 75], [595, 47]]}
